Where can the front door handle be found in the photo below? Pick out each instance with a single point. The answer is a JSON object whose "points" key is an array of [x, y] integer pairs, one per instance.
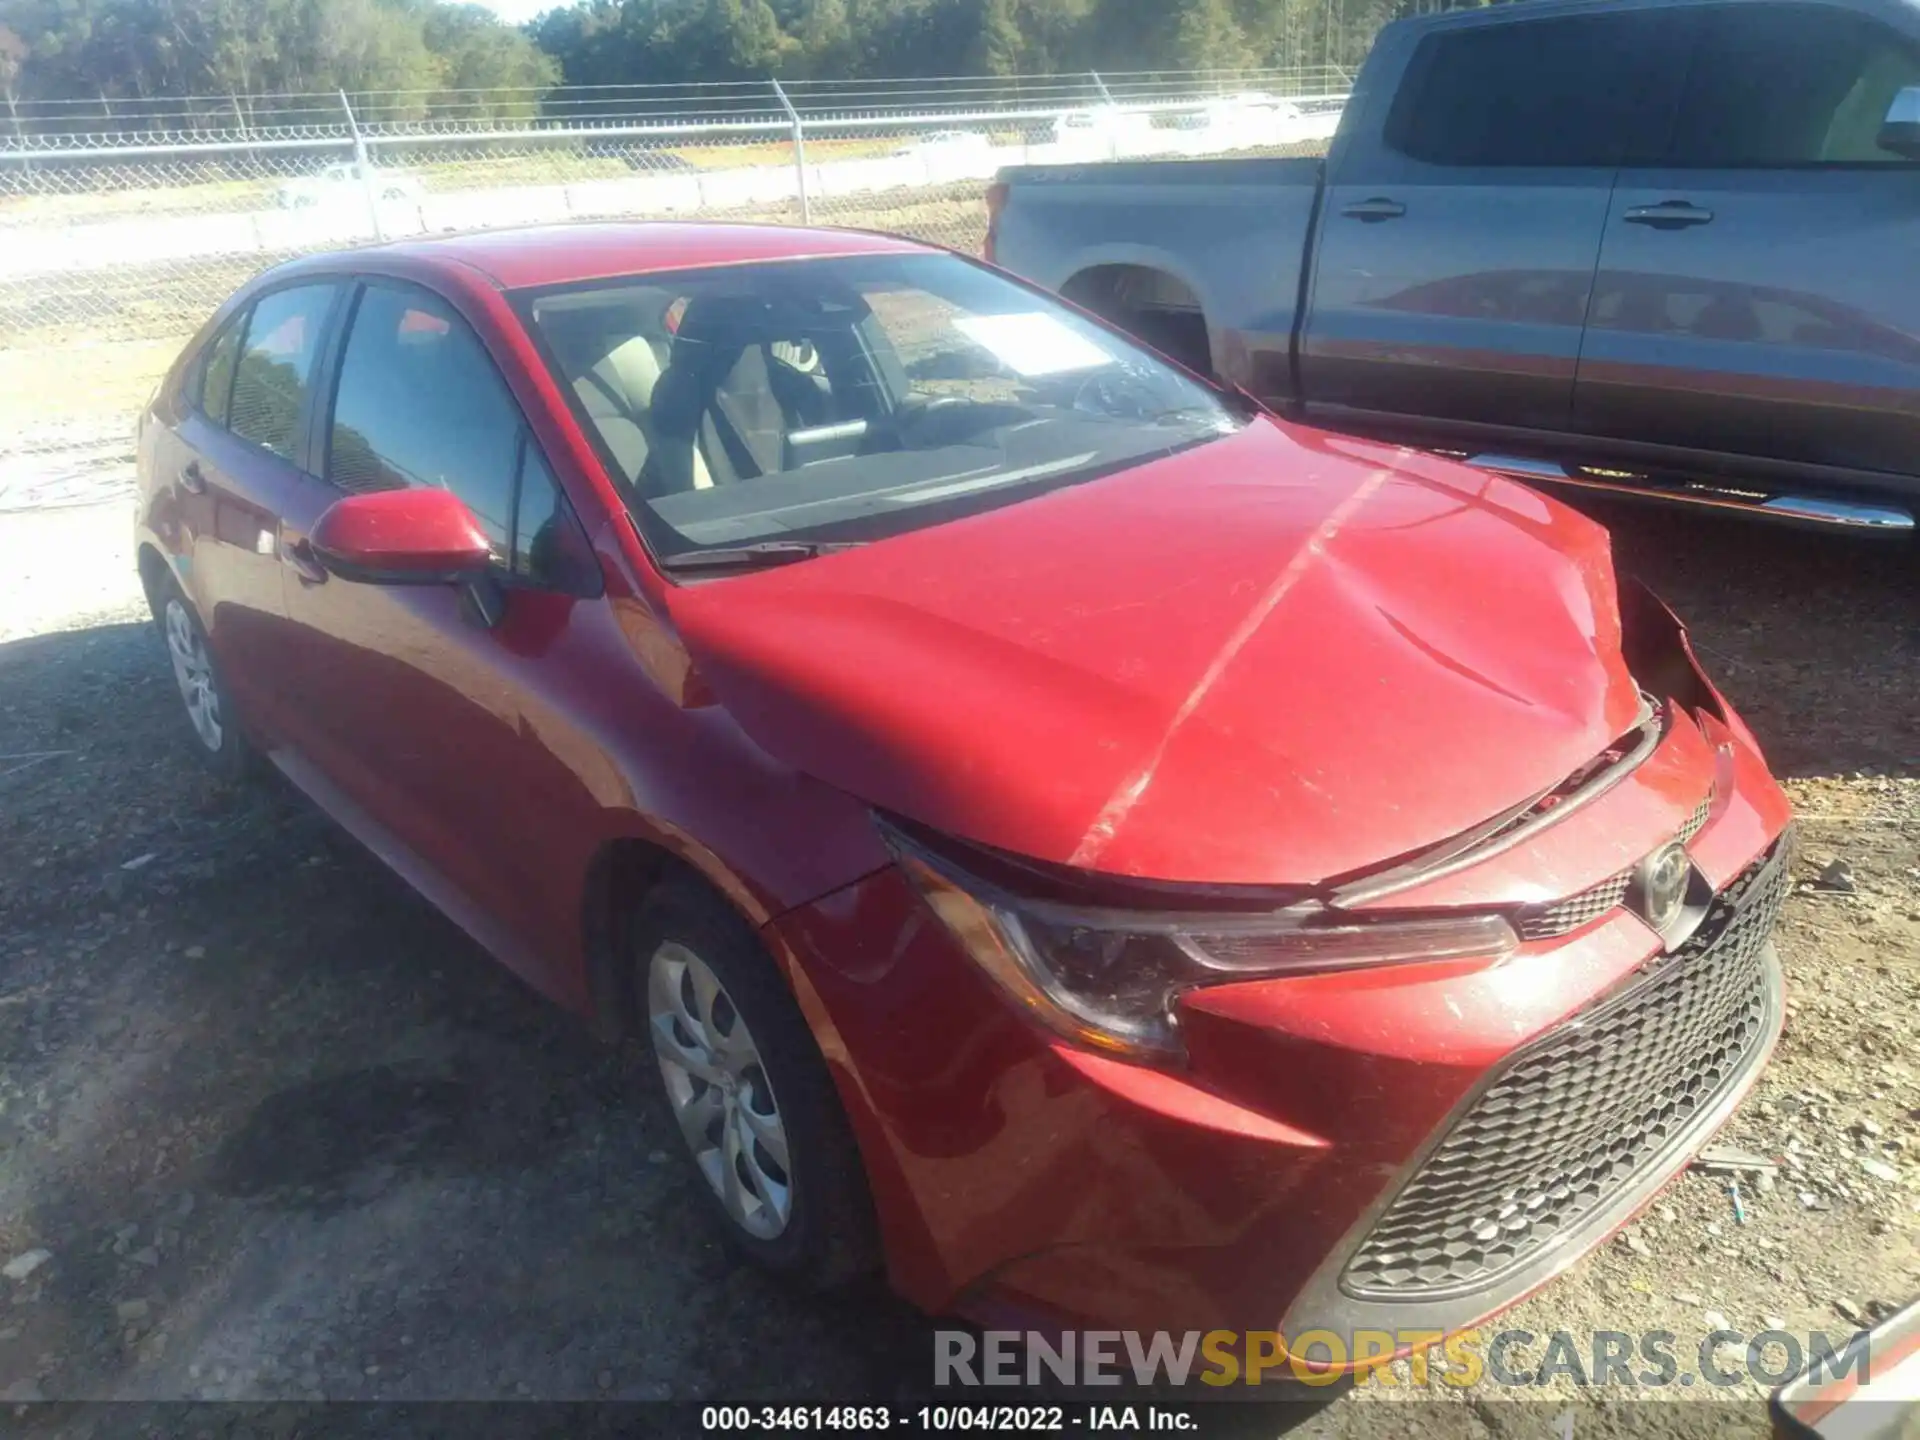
{"points": [[1375, 210], [303, 562], [192, 479], [1669, 215]]}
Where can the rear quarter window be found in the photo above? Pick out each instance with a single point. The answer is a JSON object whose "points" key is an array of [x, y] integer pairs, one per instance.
{"points": [[212, 386]]}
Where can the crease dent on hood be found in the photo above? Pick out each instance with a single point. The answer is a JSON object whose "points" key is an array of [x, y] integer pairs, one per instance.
{"points": [[1019, 678], [1128, 793]]}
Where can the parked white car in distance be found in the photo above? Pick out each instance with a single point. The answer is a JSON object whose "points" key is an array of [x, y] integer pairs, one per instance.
{"points": [[954, 143], [343, 183], [1102, 130], [948, 155]]}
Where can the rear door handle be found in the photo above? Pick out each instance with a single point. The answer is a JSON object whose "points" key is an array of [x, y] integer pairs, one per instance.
{"points": [[1669, 215], [303, 562], [1374, 210], [192, 480]]}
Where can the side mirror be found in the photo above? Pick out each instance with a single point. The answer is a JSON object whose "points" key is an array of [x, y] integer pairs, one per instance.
{"points": [[401, 537], [1900, 131]]}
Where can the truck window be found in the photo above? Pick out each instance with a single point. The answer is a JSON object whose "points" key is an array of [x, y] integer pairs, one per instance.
{"points": [[1585, 91], [1791, 85]]}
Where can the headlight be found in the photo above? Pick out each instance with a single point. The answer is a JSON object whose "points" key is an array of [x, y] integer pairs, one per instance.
{"points": [[1108, 979]]}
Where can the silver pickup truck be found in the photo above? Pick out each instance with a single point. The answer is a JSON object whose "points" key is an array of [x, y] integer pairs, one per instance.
{"points": [[1666, 247]]}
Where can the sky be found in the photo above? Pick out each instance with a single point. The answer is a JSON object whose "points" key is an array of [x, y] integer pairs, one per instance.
{"points": [[516, 12]]}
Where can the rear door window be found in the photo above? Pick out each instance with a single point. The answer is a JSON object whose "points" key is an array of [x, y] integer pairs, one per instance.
{"points": [[1789, 86], [1590, 91], [274, 373]]}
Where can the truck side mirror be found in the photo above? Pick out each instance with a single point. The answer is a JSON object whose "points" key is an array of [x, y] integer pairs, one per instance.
{"points": [[1900, 131]]}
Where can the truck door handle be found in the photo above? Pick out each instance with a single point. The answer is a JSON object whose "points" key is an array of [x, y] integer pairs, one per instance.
{"points": [[1668, 215], [192, 480], [1374, 210], [303, 562]]}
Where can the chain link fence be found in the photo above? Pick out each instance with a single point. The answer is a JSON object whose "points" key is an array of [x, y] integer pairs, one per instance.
{"points": [[121, 231]]}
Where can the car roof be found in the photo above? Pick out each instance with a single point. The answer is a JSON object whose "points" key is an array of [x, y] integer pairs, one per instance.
{"points": [[536, 255]]}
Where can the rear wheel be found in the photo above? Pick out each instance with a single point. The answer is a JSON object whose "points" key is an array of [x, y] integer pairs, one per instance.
{"points": [[203, 694], [746, 1087]]}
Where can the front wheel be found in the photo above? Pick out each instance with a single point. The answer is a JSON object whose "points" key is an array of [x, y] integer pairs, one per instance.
{"points": [[749, 1092]]}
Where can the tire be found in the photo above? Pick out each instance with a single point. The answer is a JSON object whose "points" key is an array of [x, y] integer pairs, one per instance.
{"points": [[739, 1023], [213, 724]]}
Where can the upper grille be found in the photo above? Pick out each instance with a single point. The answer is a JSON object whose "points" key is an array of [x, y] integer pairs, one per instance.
{"points": [[1575, 1116], [1697, 821], [1569, 915], [1563, 917]]}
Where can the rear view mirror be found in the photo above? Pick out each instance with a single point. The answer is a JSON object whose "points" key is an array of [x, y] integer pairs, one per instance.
{"points": [[1900, 131], [401, 537]]}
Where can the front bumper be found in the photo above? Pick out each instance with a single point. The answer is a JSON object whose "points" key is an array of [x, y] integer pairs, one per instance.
{"points": [[1559, 1145], [1023, 1182]]}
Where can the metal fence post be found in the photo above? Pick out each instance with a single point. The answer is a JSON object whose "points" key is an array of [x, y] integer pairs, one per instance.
{"points": [[365, 166], [1109, 120], [799, 150]]}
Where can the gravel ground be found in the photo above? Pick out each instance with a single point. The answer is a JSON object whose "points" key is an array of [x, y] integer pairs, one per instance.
{"points": [[282, 1133]]}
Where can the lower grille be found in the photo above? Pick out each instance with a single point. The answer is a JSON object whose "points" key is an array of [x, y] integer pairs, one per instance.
{"points": [[1574, 1117]]}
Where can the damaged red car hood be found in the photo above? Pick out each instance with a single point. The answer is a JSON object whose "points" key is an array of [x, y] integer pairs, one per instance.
{"points": [[1280, 657]]}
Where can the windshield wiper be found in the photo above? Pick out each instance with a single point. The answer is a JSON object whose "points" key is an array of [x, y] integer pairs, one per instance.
{"points": [[763, 552]]}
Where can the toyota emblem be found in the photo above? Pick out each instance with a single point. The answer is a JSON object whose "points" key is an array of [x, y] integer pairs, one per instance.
{"points": [[1660, 886]]}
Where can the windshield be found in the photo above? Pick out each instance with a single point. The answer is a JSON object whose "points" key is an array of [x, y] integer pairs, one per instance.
{"points": [[814, 402]]}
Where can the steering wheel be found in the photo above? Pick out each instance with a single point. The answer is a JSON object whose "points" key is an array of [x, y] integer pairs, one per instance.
{"points": [[1113, 396], [916, 406]]}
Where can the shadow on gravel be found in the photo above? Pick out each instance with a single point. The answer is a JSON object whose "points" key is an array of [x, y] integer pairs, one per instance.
{"points": [[342, 1139]]}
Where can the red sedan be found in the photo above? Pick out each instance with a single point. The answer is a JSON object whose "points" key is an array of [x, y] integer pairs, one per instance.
{"points": [[1108, 855]]}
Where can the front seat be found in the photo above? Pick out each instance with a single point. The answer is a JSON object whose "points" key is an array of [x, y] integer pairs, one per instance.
{"points": [[617, 372], [716, 399]]}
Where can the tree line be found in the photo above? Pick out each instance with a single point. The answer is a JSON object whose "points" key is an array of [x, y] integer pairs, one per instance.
{"points": [[613, 41], [104, 51], [419, 51]]}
